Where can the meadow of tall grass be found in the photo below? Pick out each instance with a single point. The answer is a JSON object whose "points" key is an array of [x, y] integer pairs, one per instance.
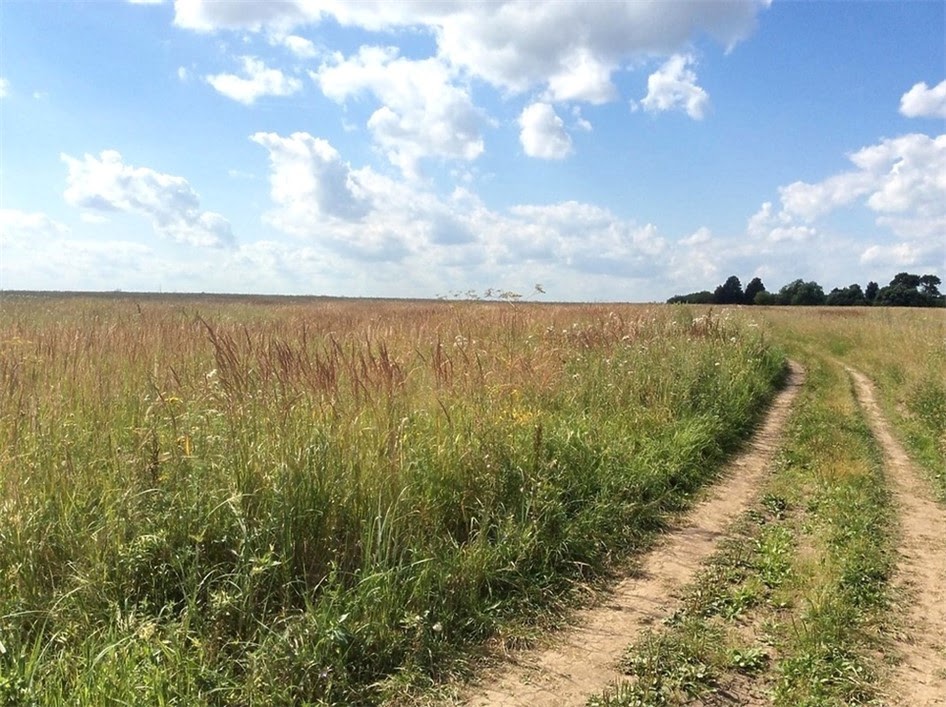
{"points": [[237, 502]]}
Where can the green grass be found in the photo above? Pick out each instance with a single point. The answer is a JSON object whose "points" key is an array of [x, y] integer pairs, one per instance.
{"points": [[331, 503], [829, 651]]}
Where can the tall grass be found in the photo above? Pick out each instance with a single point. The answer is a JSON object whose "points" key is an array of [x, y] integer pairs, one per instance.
{"points": [[240, 503]]}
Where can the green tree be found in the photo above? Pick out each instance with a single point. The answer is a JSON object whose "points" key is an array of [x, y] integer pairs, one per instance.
{"points": [[850, 296], [930, 285], [904, 291], [730, 292], [754, 287], [871, 292], [701, 297], [802, 293], [765, 298], [905, 280]]}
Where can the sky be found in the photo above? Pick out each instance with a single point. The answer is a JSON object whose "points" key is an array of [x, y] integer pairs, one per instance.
{"points": [[605, 151]]}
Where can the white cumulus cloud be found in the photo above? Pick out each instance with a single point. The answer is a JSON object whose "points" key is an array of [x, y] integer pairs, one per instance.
{"points": [[580, 122], [257, 80], [300, 46], [673, 87], [901, 180], [106, 183], [542, 133], [700, 236], [581, 237], [774, 227], [352, 216], [921, 101], [901, 255], [903, 177], [354, 213], [573, 48], [26, 227], [808, 202], [423, 113], [253, 15], [696, 259], [310, 182], [584, 77], [569, 49]]}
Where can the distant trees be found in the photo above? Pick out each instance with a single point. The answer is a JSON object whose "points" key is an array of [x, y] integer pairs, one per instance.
{"points": [[701, 297], [801, 293], [753, 289], [850, 296], [929, 285], [730, 292], [765, 298], [904, 290]]}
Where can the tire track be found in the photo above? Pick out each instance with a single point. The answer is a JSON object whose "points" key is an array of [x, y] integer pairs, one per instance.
{"points": [[919, 680], [583, 659]]}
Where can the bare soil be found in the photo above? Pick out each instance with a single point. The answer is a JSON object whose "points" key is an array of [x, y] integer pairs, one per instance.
{"points": [[583, 659], [919, 678]]}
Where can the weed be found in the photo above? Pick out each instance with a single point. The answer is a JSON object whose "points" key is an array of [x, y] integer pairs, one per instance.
{"points": [[748, 660], [667, 669]]}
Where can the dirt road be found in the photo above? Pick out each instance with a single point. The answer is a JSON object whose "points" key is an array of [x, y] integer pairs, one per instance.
{"points": [[919, 680]]}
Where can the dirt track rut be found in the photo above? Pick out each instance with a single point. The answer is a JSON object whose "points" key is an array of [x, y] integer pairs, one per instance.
{"points": [[919, 680], [583, 659]]}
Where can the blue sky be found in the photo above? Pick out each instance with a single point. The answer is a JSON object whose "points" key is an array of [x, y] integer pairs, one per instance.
{"points": [[609, 151]]}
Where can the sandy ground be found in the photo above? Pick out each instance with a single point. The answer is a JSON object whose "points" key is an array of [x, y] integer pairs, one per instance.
{"points": [[583, 659], [919, 679]]}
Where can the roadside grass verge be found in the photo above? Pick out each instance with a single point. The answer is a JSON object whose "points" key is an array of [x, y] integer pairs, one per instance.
{"points": [[229, 503], [792, 607]]}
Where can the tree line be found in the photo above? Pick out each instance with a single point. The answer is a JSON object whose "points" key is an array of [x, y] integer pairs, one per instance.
{"points": [[904, 290]]}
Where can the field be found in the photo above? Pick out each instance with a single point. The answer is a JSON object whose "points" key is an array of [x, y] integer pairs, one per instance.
{"points": [[245, 501]]}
